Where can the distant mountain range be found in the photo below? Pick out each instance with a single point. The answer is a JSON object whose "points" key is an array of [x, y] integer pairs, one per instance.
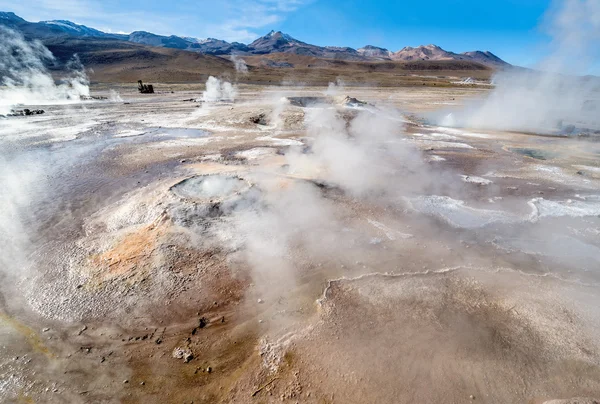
{"points": [[273, 42]]}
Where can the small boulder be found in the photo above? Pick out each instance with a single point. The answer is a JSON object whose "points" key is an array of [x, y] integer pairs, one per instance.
{"points": [[259, 119], [183, 353]]}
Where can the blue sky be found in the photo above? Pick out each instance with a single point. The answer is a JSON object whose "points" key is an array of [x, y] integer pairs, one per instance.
{"points": [[508, 28]]}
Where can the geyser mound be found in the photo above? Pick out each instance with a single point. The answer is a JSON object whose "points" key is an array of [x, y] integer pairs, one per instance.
{"points": [[210, 187], [209, 196]]}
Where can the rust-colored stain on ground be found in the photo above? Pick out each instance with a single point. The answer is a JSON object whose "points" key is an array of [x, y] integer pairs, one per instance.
{"points": [[130, 255]]}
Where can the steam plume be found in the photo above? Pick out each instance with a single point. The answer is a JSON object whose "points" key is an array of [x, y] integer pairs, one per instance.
{"points": [[217, 90], [547, 101], [240, 64], [361, 157], [26, 78]]}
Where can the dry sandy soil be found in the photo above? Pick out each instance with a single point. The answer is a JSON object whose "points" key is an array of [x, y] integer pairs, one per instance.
{"points": [[292, 246]]}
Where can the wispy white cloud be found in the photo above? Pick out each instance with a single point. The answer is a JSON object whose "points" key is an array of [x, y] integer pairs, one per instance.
{"points": [[284, 5], [110, 31], [232, 20], [242, 19]]}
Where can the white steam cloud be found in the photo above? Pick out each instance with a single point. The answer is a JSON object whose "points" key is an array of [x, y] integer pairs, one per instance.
{"points": [[240, 64], [217, 90], [335, 88], [550, 100], [114, 96], [26, 80], [12, 202], [360, 152], [361, 157]]}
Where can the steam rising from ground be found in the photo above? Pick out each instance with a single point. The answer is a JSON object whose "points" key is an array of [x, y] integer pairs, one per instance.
{"points": [[547, 101], [534, 102], [217, 90], [335, 88], [14, 204], [292, 215], [359, 152], [350, 173], [361, 157], [115, 96], [26, 79], [240, 64]]}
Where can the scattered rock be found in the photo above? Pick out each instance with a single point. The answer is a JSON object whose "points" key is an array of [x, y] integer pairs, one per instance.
{"points": [[183, 353], [475, 180], [259, 119], [352, 102], [260, 301], [306, 101], [92, 97], [26, 112]]}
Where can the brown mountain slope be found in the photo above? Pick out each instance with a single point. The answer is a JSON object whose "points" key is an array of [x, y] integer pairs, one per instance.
{"points": [[110, 60], [423, 52], [310, 68], [120, 61]]}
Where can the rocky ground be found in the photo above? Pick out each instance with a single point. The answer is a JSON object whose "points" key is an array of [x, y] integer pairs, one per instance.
{"points": [[320, 245]]}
